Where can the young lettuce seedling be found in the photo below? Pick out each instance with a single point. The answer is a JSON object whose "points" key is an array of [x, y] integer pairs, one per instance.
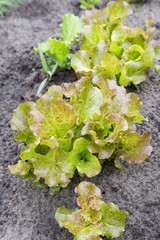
{"points": [[58, 51], [95, 218], [88, 4]]}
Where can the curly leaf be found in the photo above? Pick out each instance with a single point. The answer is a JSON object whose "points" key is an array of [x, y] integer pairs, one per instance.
{"points": [[117, 10], [21, 169], [94, 16], [99, 54], [89, 165], [104, 84], [81, 62], [71, 27], [19, 122], [103, 152], [120, 101], [55, 91], [115, 49], [52, 117], [106, 132], [134, 53], [92, 34], [45, 167], [90, 201], [113, 220], [29, 152], [110, 65], [134, 108], [58, 49], [118, 33], [61, 215], [135, 148], [79, 158], [86, 95]]}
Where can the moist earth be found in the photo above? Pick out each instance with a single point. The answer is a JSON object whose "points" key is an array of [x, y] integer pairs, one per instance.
{"points": [[26, 211]]}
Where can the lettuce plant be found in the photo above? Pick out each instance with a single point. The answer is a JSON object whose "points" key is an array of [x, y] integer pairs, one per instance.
{"points": [[95, 218], [75, 127], [87, 4], [110, 46], [58, 51]]}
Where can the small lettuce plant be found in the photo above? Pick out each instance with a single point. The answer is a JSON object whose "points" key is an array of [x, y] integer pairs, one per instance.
{"points": [[95, 218], [57, 51], [76, 127], [110, 46]]}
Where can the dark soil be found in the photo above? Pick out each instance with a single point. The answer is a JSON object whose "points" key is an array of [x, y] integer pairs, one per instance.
{"points": [[26, 211]]}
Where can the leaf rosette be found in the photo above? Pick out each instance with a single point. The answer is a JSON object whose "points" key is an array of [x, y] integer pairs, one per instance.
{"points": [[69, 125], [95, 218], [110, 46]]}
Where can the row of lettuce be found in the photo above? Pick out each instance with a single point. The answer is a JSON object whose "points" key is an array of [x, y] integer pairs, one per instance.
{"points": [[77, 126]]}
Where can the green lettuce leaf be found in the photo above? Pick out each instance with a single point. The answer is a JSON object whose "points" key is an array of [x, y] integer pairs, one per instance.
{"points": [[117, 10], [79, 158], [57, 49], [103, 152], [94, 16], [29, 152], [92, 34], [106, 132], [113, 220], [135, 148], [89, 165], [115, 50], [19, 122], [71, 27], [136, 36], [21, 169], [118, 33], [81, 62], [61, 215], [134, 108], [88, 97], [134, 53], [117, 97], [110, 65], [45, 167], [99, 53], [90, 201], [137, 61], [52, 117]]}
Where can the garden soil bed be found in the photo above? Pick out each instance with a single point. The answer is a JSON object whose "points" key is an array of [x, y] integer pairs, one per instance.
{"points": [[26, 211]]}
